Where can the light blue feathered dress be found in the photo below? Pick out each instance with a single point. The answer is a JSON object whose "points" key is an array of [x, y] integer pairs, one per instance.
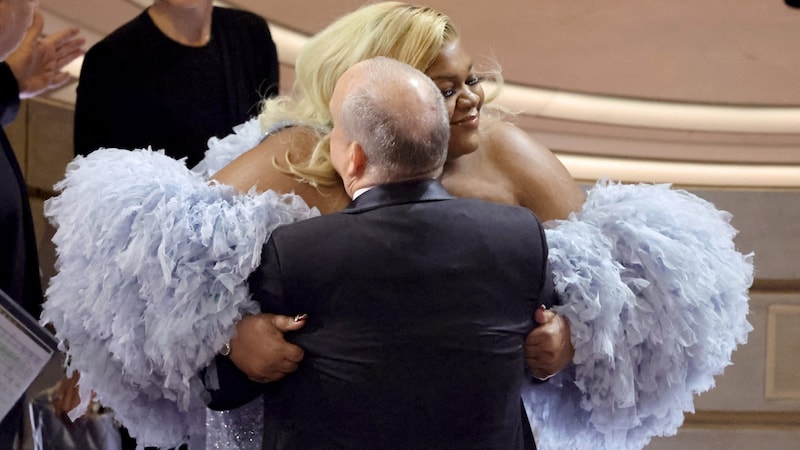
{"points": [[152, 261]]}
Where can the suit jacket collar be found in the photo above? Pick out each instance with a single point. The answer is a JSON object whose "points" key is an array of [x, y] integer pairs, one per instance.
{"points": [[398, 194]]}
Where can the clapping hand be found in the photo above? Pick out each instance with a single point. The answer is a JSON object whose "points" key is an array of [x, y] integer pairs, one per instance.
{"points": [[38, 61]]}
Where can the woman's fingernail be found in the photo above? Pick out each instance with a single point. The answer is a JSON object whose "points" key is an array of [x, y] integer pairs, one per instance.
{"points": [[542, 306], [300, 317]]}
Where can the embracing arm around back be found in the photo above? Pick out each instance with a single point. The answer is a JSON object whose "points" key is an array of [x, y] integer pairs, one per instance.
{"points": [[259, 349]]}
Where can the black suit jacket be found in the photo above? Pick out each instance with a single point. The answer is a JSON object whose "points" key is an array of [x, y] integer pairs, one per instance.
{"points": [[19, 262], [418, 305]]}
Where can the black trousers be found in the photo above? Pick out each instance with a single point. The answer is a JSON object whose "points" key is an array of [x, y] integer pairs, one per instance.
{"points": [[527, 433], [129, 443]]}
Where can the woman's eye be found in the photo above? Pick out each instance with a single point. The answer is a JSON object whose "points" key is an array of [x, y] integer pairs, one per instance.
{"points": [[473, 81]]}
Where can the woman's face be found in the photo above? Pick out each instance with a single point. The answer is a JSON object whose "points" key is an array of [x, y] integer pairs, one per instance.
{"points": [[461, 87], [16, 17]]}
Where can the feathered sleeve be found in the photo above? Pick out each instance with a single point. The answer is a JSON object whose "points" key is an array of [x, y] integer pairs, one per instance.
{"points": [[151, 268], [245, 136], [222, 151], [657, 297]]}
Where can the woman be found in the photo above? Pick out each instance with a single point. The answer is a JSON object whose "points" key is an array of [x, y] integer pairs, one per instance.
{"points": [[488, 158], [483, 149]]}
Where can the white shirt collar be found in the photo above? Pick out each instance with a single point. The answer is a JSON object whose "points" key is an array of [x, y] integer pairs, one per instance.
{"points": [[360, 191]]}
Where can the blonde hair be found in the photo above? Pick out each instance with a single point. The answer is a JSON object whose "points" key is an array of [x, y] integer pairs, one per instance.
{"points": [[411, 34]]}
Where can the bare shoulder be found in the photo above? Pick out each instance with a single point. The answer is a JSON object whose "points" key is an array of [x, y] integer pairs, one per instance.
{"points": [[257, 167], [510, 144], [260, 166], [541, 182]]}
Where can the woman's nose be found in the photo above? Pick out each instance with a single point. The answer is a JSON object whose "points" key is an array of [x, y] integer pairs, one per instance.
{"points": [[468, 98]]}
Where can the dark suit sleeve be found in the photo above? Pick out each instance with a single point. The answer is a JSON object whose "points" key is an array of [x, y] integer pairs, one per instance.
{"points": [[235, 388], [9, 95], [266, 282], [547, 295]]}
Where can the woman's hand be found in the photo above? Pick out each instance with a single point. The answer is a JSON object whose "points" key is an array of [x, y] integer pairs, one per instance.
{"points": [[259, 349], [548, 348]]}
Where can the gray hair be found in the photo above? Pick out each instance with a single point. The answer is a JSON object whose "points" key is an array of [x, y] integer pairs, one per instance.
{"points": [[404, 134]]}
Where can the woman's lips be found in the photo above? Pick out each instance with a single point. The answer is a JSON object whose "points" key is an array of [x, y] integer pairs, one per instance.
{"points": [[472, 119]]}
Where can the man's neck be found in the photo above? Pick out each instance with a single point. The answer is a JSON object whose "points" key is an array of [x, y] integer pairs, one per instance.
{"points": [[189, 26]]}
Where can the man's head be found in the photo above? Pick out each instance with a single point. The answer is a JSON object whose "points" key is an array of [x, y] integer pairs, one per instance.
{"points": [[15, 18], [390, 124]]}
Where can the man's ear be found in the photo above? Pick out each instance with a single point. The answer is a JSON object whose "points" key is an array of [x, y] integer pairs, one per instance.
{"points": [[357, 163]]}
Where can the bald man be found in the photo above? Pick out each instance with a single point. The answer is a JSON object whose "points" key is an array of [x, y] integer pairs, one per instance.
{"points": [[417, 303]]}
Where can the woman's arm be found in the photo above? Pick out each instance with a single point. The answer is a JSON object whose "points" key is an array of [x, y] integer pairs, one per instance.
{"points": [[259, 349]]}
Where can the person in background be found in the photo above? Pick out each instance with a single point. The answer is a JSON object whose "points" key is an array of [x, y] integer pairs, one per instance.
{"points": [[179, 73], [31, 64]]}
